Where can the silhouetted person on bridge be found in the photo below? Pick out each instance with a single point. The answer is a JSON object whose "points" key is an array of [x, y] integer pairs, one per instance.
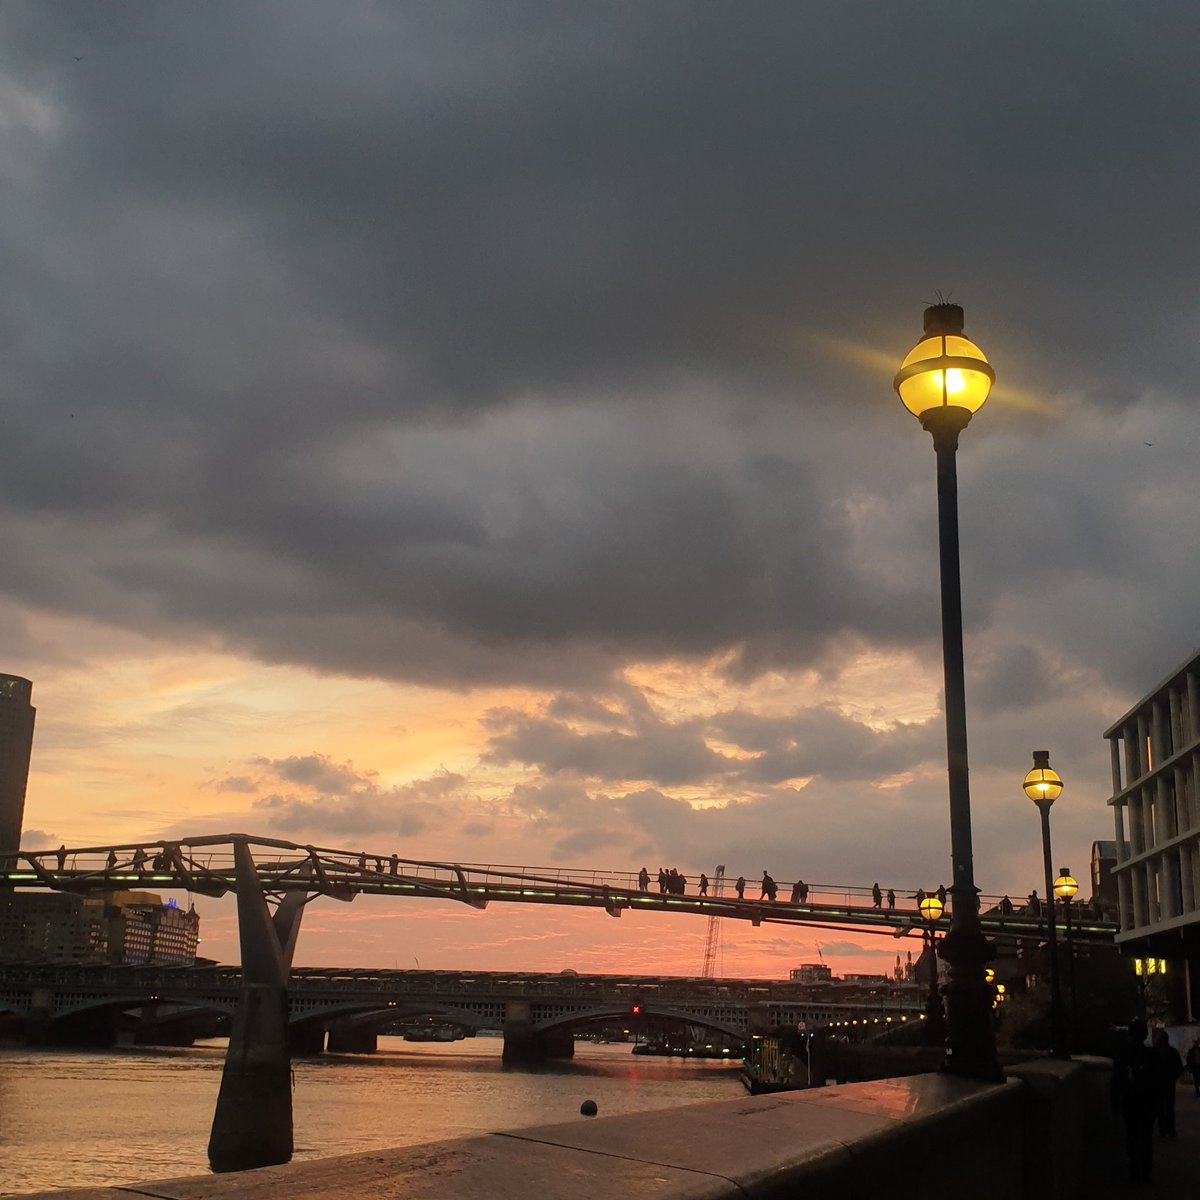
{"points": [[662, 880], [941, 894], [891, 899], [395, 864], [876, 896], [61, 855], [362, 861], [111, 861], [795, 896], [740, 886], [643, 880], [1006, 906], [703, 884], [769, 888], [139, 859], [1033, 906], [918, 896]]}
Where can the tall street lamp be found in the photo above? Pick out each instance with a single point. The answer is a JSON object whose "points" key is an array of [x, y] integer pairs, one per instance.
{"points": [[1065, 888], [943, 382], [935, 1020], [1043, 786]]}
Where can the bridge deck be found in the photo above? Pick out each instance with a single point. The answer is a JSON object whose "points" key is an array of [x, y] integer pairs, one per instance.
{"points": [[206, 866]]}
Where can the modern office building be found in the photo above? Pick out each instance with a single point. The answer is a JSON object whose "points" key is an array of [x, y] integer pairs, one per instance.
{"points": [[16, 746], [1155, 753], [120, 927]]}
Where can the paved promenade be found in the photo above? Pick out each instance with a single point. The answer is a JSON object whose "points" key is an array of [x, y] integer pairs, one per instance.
{"points": [[1176, 1161]]}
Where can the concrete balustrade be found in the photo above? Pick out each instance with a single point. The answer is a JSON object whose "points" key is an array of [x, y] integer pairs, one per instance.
{"points": [[907, 1139]]}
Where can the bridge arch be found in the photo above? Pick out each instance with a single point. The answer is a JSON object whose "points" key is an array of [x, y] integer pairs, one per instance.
{"points": [[611, 1012], [385, 1011]]}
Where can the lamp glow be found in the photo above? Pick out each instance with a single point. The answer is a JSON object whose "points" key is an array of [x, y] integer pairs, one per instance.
{"points": [[1042, 785]]}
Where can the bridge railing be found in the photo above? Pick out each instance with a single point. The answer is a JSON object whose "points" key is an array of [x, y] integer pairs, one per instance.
{"points": [[206, 864]]}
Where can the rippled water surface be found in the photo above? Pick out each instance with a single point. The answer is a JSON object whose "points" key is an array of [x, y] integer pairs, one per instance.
{"points": [[73, 1118]]}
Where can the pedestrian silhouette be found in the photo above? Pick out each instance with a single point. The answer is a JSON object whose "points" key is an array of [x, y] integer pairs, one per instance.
{"points": [[891, 899], [1136, 1091], [740, 886], [941, 894], [876, 896], [1006, 906], [1033, 906], [703, 884], [769, 888], [1193, 1063], [1170, 1067], [61, 855]]}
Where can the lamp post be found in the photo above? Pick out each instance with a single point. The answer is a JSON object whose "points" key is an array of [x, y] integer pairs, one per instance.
{"points": [[1043, 786], [943, 381], [935, 1020], [1065, 888]]}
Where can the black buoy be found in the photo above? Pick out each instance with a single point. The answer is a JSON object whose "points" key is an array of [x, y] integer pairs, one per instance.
{"points": [[588, 1108]]}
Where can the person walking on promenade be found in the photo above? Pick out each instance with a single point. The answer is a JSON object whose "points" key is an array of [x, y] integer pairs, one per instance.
{"points": [[769, 888], [1170, 1067], [891, 899], [918, 896], [876, 895], [662, 880], [643, 880], [1006, 906], [802, 891], [1193, 1063], [1033, 906], [703, 884], [61, 855], [1135, 1093], [740, 886], [796, 892], [941, 894]]}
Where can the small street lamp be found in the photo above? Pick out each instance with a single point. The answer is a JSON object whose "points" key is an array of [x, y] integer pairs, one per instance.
{"points": [[1043, 786], [943, 381], [931, 913], [1065, 888]]}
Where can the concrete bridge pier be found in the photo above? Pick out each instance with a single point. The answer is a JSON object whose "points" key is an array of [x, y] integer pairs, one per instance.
{"points": [[526, 1046], [353, 1039], [252, 1125], [308, 1040]]}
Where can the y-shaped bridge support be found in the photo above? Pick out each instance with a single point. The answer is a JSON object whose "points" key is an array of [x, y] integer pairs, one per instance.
{"points": [[252, 1125]]}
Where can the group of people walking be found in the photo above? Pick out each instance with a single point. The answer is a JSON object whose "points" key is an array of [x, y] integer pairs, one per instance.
{"points": [[673, 883]]}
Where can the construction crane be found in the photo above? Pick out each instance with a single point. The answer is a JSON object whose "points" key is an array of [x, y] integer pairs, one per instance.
{"points": [[712, 940]]}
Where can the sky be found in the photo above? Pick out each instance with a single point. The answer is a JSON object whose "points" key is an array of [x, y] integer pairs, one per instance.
{"points": [[466, 430]]}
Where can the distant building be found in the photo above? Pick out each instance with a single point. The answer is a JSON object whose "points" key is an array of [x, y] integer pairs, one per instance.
{"points": [[40, 927], [16, 747], [121, 927], [1104, 882], [1155, 755], [811, 973]]}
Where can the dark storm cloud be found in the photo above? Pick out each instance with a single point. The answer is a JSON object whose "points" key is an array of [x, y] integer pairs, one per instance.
{"points": [[485, 342], [771, 750], [341, 800]]}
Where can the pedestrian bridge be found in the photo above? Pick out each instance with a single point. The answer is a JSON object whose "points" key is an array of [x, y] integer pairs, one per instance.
{"points": [[207, 866]]}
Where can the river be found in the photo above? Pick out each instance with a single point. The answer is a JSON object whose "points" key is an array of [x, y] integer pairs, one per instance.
{"points": [[74, 1118]]}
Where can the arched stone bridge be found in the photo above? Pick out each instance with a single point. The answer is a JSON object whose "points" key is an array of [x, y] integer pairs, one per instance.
{"points": [[537, 1012]]}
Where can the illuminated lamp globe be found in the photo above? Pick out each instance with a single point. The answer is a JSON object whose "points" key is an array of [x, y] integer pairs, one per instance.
{"points": [[1043, 785], [1065, 886], [944, 371], [931, 910]]}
